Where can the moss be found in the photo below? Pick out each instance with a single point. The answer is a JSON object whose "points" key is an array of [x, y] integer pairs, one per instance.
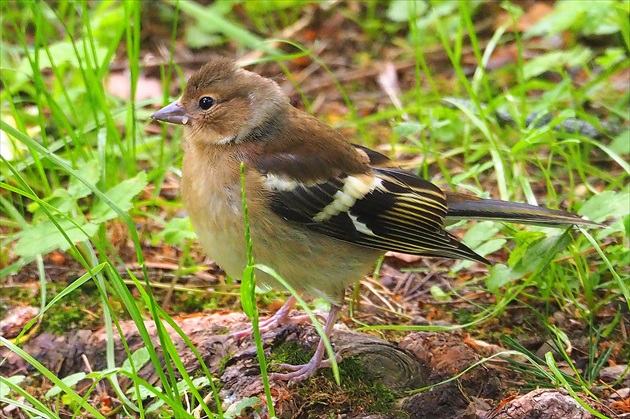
{"points": [[222, 363], [193, 303], [358, 393], [63, 318], [362, 392], [463, 316], [289, 353], [81, 309], [12, 296]]}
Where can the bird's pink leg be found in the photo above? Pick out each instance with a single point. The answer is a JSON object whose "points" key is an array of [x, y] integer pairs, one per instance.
{"points": [[281, 317], [302, 372]]}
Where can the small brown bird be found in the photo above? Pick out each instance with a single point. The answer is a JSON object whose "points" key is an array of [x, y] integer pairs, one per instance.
{"points": [[321, 209]]}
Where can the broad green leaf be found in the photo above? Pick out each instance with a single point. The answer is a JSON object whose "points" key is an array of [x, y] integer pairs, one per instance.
{"points": [[560, 19], [175, 232], [62, 53], [60, 199], [211, 21], [5, 389], [199, 382], [237, 409], [137, 360], [500, 275], [122, 195], [621, 143], [555, 60], [107, 15], [611, 57], [523, 239], [480, 233], [439, 294], [197, 38], [490, 246], [609, 204], [444, 14], [540, 251], [405, 129], [403, 10], [45, 237], [143, 393], [588, 18], [90, 172], [70, 381], [483, 249]]}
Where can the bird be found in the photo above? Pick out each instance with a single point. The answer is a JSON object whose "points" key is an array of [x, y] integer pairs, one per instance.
{"points": [[321, 209]]}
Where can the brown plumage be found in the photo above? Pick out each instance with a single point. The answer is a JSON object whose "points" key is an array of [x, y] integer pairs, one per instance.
{"points": [[321, 210]]}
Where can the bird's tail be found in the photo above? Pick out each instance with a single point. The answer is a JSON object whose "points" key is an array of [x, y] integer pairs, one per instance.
{"points": [[469, 207]]}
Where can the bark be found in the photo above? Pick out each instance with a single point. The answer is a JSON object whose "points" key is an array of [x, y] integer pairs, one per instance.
{"points": [[543, 403], [419, 360]]}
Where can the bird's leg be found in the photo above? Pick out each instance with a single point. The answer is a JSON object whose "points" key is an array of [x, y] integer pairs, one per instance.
{"points": [[302, 372], [281, 317]]}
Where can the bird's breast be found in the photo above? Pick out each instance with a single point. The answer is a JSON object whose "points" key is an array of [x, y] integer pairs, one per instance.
{"points": [[212, 196]]}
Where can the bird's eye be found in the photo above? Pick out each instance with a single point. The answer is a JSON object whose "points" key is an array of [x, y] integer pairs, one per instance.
{"points": [[206, 102]]}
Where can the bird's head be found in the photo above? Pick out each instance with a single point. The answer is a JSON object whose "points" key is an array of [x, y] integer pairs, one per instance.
{"points": [[224, 104]]}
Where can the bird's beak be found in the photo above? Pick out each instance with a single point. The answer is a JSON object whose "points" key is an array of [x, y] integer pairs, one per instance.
{"points": [[172, 113]]}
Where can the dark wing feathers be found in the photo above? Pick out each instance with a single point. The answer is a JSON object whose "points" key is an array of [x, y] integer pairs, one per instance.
{"points": [[386, 209], [302, 203], [379, 206], [469, 207]]}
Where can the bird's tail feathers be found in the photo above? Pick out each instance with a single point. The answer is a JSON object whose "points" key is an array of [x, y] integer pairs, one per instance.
{"points": [[466, 207]]}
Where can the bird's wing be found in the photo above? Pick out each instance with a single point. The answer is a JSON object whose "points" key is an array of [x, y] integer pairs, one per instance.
{"points": [[461, 206], [379, 207]]}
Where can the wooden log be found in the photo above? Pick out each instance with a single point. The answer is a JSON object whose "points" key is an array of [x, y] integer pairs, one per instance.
{"points": [[418, 360]]}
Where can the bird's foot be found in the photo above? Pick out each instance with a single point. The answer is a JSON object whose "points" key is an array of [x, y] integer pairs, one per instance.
{"points": [[302, 372], [298, 372], [280, 318]]}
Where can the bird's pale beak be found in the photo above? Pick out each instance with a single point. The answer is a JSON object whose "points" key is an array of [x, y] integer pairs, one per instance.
{"points": [[172, 113]]}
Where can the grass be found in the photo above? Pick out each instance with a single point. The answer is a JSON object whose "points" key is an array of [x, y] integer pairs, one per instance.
{"points": [[84, 162]]}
